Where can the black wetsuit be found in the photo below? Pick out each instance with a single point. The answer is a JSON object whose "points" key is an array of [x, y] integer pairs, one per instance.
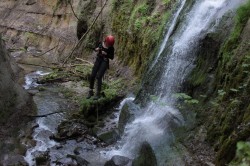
{"points": [[100, 66]]}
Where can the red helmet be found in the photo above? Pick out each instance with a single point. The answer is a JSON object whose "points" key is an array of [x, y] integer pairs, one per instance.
{"points": [[110, 40]]}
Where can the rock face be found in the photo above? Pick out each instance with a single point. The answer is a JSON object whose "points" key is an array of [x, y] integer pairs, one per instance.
{"points": [[12, 96], [15, 103], [42, 24], [221, 83]]}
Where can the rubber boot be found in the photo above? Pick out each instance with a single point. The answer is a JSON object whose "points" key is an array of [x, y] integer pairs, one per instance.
{"points": [[91, 93]]}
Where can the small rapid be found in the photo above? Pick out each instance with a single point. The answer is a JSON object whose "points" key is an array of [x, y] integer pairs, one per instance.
{"points": [[50, 101], [46, 102], [31, 78]]}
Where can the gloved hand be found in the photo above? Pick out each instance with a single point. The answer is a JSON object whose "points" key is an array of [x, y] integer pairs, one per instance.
{"points": [[104, 53]]}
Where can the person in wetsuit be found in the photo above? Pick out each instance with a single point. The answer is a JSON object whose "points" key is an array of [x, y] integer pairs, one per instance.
{"points": [[105, 51]]}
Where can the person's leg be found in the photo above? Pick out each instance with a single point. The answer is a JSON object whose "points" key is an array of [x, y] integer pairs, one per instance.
{"points": [[92, 77], [100, 74]]}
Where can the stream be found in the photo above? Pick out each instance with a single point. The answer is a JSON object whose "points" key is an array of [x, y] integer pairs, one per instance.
{"points": [[51, 100]]}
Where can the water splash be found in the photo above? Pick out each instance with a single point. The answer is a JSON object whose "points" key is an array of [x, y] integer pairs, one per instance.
{"points": [[30, 79]]}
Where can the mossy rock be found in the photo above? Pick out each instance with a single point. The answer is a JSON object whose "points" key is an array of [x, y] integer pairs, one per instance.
{"points": [[93, 108], [109, 137], [127, 115], [146, 156], [118, 161]]}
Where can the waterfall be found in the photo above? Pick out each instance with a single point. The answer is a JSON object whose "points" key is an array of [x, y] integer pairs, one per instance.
{"points": [[155, 122], [169, 32]]}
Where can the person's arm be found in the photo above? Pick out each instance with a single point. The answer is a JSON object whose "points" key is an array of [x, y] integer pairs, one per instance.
{"points": [[110, 53]]}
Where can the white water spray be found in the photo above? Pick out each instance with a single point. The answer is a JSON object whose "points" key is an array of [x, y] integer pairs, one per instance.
{"points": [[30, 79], [168, 34]]}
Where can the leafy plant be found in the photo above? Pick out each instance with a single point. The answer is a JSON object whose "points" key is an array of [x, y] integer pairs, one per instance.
{"points": [[185, 100], [221, 92], [242, 154], [166, 2]]}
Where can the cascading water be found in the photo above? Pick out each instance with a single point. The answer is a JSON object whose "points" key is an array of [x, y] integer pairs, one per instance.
{"points": [[168, 34], [155, 121]]}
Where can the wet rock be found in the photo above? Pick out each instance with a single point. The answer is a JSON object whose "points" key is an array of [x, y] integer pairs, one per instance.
{"points": [[80, 161], [15, 160], [109, 137], [33, 91], [41, 158], [45, 134], [70, 130], [28, 142], [112, 116], [119, 161], [127, 115], [58, 147], [146, 156], [65, 161], [77, 150]]}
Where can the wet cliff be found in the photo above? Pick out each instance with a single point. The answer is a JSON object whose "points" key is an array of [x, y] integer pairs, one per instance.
{"points": [[220, 81]]}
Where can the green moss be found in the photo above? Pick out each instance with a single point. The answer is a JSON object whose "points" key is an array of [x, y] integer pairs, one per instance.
{"points": [[198, 77], [242, 157], [166, 2], [75, 73], [112, 93], [243, 13], [138, 30]]}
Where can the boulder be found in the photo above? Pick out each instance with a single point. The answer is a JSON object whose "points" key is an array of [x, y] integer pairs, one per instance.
{"points": [[146, 156], [15, 103], [127, 115], [41, 158], [119, 161], [70, 130], [79, 160], [109, 137], [15, 160]]}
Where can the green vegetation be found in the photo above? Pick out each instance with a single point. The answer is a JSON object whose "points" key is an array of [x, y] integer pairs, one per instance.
{"points": [[111, 94], [165, 2], [185, 102], [80, 71], [139, 29], [186, 98], [242, 157]]}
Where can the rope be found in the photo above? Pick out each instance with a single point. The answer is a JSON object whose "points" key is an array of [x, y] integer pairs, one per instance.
{"points": [[101, 36], [83, 36], [73, 10]]}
